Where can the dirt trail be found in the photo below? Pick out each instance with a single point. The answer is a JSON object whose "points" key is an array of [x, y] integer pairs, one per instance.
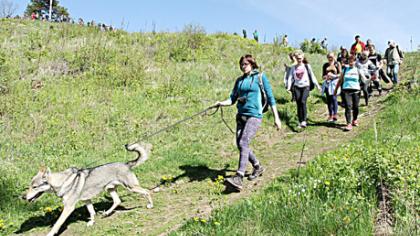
{"points": [[182, 201]]}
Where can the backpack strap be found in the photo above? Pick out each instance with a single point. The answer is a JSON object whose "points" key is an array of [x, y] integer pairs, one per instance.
{"points": [[311, 83], [260, 83]]}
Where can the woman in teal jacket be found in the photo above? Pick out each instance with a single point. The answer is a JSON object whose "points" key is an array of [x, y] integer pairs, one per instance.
{"points": [[248, 95]]}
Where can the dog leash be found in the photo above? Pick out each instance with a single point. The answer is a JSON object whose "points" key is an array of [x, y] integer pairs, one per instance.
{"points": [[147, 136]]}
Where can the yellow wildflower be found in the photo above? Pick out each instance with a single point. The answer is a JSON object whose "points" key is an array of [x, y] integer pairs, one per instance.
{"points": [[48, 209], [346, 220]]}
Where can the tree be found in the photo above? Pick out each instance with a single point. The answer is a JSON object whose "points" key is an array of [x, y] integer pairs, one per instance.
{"points": [[7, 8], [42, 7]]}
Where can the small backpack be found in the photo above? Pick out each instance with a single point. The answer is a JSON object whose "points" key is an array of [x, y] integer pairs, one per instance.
{"points": [[264, 100]]}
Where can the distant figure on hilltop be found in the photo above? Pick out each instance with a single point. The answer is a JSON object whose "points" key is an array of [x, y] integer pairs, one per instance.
{"points": [[357, 47], [255, 34], [285, 41], [324, 43], [244, 33]]}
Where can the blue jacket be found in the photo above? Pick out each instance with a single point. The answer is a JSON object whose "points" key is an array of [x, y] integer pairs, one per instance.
{"points": [[248, 87]]}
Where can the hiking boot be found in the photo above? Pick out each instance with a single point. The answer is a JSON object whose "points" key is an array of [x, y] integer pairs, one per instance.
{"points": [[256, 173], [355, 123], [235, 181], [349, 127]]}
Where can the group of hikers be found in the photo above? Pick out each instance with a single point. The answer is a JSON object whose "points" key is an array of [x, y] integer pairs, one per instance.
{"points": [[63, 18], [347, 75]]}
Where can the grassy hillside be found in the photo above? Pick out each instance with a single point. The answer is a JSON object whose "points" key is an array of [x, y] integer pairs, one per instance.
{"points": [[72, 96]]}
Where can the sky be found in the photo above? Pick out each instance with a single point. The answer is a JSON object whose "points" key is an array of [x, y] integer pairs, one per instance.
{"points": [[339, 21]]}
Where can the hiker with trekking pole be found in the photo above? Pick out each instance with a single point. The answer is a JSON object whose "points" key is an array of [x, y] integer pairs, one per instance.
{"points": [[253, 94]]}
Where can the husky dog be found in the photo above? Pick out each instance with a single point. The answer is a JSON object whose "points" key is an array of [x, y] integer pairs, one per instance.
{"points": [[75, 185]]}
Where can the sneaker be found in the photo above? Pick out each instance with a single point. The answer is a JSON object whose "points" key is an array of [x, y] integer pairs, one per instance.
{"points": [[349, 127], [235, 181], [303, 124], [335, 117], [330, 119], [355, 123], [256, 173]]}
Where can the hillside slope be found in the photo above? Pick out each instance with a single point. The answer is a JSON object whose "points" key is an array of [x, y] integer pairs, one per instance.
{"points": [[72, 96]]}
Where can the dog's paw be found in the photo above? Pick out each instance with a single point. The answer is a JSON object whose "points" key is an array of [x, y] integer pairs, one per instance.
{"points": [[149, 206], [90, 223], [106, 213]]}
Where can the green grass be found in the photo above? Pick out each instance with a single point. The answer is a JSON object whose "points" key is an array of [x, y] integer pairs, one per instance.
{"points": [[73, 96]]}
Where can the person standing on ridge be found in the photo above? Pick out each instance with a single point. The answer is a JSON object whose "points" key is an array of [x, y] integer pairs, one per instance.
{"points": [[244, 33], [255, 34], [285, 41], [247, 92]]}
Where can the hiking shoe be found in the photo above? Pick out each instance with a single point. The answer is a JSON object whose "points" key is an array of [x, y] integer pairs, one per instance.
{"points": [[256, 173], [349, 127], [235, 181], [302, 125], [355, 123]]}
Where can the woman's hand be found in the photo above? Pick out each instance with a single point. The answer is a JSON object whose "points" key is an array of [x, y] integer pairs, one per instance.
{"points": [[226, 102], [277, 123]]}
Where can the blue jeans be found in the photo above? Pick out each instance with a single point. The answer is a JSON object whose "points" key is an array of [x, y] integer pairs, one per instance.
{"points": [[332, 104], [392, 71]]}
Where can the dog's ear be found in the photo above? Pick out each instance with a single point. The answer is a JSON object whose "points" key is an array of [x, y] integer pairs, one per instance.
{"points": [[46, 173]]}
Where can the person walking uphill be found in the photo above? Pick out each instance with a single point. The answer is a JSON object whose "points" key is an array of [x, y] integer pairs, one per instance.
{"points": [[247, 92], [301, 79], [350, 84]]}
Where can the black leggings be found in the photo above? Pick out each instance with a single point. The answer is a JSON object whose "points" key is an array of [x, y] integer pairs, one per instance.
{"points": [[351, 103], [301, 95], [365, 90]]}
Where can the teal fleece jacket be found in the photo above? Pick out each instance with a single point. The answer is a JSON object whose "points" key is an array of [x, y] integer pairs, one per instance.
{"points": [[248, 87]]}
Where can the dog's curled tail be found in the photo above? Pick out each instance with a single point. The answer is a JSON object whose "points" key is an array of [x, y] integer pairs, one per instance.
{"points": [[142, 154]]}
